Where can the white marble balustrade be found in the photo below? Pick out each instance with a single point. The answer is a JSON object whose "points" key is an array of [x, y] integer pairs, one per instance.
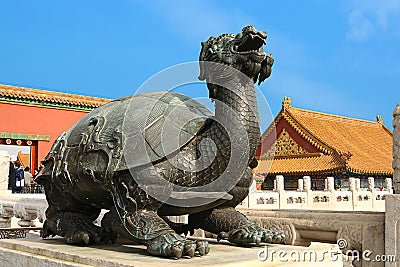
{"points": [[24, 209], [354, 199]]}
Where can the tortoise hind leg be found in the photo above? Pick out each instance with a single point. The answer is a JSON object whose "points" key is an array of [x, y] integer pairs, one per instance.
{"points": [[75, 227], [230, 224]]}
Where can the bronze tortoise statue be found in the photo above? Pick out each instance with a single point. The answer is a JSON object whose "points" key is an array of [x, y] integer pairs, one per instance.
{"points": [[154, 155]]}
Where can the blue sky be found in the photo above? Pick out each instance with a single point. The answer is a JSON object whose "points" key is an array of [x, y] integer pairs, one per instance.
{"points": [[336, 56]]}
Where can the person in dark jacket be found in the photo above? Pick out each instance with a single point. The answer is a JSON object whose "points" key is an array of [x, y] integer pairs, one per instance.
{"points": [[19, 177], [11, 178]]}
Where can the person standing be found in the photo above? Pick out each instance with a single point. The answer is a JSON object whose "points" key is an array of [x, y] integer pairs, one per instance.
{"points": [[19, 177], [11, 178], [28, 177]]}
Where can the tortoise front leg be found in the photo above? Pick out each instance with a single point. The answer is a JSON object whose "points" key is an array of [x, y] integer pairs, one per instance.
{"points": [[75, 227], [147, 228]]}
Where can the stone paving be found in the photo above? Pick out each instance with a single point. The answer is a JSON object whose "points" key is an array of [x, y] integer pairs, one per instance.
{"points": [[33, 251]]}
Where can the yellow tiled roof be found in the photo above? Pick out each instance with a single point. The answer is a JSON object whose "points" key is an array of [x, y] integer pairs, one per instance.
{"points": [[8, 92], [24, 159], [346, 143]]}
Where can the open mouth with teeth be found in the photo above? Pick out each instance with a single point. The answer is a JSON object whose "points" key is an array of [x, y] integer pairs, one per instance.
{"points": [[250, 43]]}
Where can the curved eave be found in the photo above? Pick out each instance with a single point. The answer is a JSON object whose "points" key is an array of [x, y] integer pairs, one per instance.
{"points": [[370, 172], [31, 137], [48, 104], [42, 98], [387, 129], [314, 172]]}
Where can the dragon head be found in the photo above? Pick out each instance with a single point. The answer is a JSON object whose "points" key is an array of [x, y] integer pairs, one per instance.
{"points": [[242, 51]]}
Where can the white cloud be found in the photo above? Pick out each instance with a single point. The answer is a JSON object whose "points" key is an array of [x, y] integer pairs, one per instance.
{"points": [[366, 17], [360, 27], [199, 19]]}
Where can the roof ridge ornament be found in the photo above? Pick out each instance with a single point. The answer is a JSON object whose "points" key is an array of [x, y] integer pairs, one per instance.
{"points": [[286, 102], [379, 119], [345, 156]]}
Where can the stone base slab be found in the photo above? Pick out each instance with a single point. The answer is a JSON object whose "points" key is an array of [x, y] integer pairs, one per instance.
{"points": [[33, 251], [360, 230]]}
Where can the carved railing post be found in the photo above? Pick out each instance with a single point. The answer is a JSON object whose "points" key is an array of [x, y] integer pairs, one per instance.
{"points": [[6, 213], [251, 197], [330, 184], [280, 188], [300, 185], [280, 183], [371, 184], [331, 190], [23, 207], [371, 188], [358, 184], [389, 185], [353, 190], [307, 183], [307, 188], [352, 184], [26, 215]]}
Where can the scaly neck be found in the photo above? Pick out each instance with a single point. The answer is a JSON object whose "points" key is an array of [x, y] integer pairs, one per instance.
{"points": [[237, 107]]}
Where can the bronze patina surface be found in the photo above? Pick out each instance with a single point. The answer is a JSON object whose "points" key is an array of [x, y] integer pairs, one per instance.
{"points": [[141, 160]]}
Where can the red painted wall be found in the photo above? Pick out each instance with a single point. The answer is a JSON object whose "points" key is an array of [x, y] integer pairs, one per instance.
{"points": [[23, 119]]}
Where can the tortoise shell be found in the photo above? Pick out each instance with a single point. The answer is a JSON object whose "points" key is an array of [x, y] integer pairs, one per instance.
{"points": [[139, 129]]}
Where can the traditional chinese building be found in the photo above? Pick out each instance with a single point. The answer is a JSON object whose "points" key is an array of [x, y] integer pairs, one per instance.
{"points": [[308, 143], [35, 118]]}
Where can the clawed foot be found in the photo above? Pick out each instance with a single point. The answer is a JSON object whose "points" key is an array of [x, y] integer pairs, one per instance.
{"points": [[176, 246], [82, 237], [154, 232], [253, 234], [76, 229]]}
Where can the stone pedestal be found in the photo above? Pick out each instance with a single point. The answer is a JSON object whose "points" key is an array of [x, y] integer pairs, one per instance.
{"points": [[392, 228], [361, 232], [5, 221], [392, 202], [396, 148], [33, 251]]}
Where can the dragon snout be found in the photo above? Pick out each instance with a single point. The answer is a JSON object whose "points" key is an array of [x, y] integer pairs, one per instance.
{"points": [[252, 29], [250, 40]]}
